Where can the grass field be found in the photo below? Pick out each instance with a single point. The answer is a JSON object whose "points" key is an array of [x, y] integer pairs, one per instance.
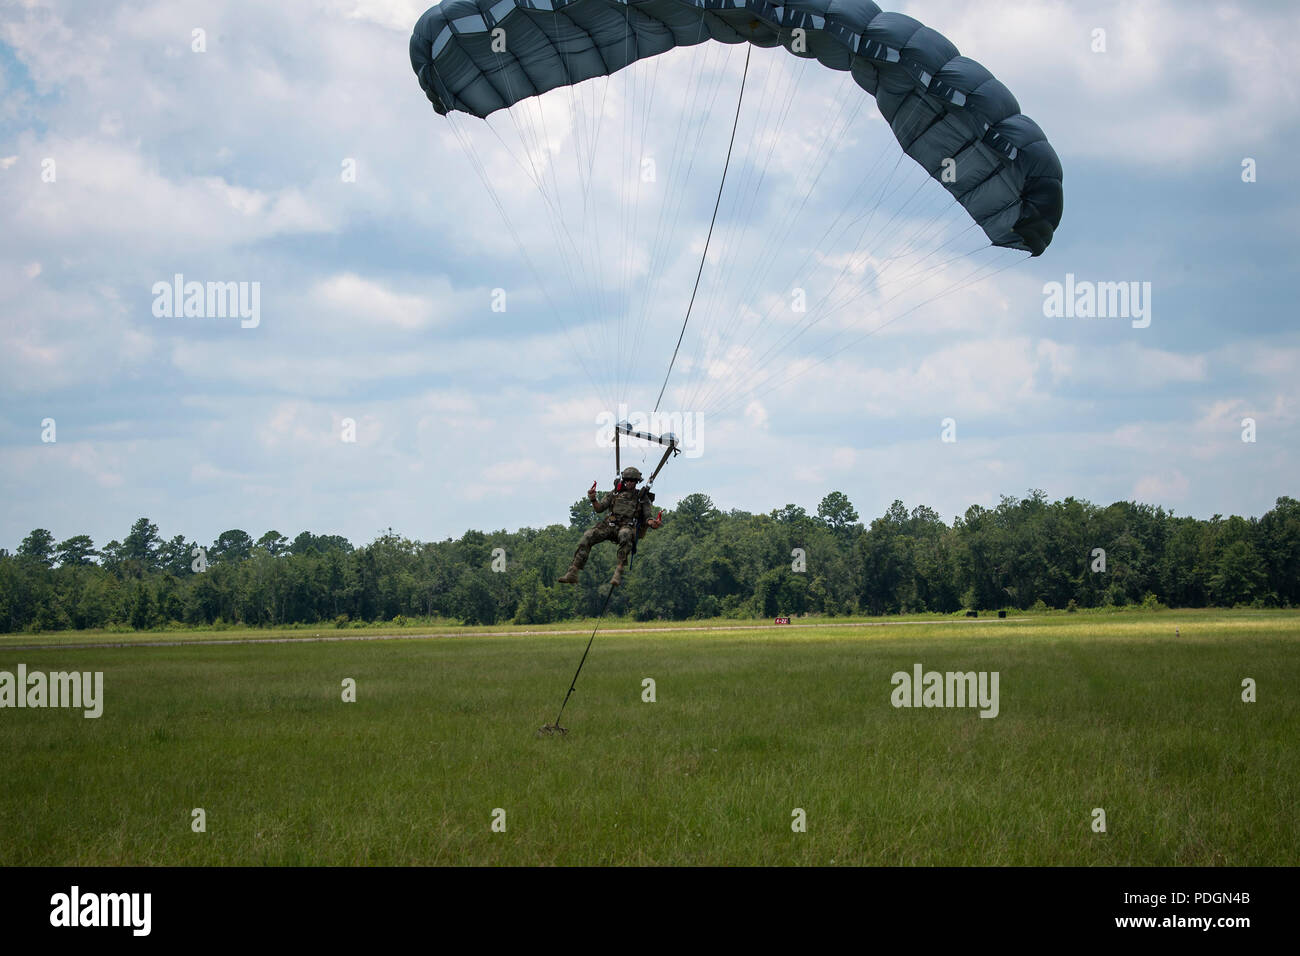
{"points": [[1095, 711]]}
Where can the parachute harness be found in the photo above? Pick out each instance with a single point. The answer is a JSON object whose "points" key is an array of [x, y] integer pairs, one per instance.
{"points": [[669, 440]]}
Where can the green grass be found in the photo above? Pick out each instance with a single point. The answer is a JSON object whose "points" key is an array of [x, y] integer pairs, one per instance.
{"points": [[1096, 711], [128, 635]]}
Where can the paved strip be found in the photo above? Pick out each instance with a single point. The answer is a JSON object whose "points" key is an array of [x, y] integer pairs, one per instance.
{"points": [[429, 637]]}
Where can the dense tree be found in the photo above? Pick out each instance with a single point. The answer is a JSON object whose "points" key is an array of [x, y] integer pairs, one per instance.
{"points": [[140, 546], [790, 514], [472, 600], [231, 546], [177, 556], [1279, 546], [273, 543], [77, 551], [702, 563], [308, 543], [837, 511], [581, 514], [111, 556], [696, 514], [38, 547], [1239, 576]]}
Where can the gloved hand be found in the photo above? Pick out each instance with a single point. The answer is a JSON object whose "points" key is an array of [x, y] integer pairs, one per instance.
{"points": [[591, 492], [656, 522]]}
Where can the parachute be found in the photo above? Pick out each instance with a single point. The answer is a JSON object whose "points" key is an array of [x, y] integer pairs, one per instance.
{"points": [[617, 256], [938, 103]]}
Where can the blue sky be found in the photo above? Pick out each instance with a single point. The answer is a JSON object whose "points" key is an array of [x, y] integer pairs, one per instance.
{"points": [[225, 165]]}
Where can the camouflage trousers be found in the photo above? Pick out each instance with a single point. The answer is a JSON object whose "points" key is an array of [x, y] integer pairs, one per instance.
{"points": [[605, 531]]}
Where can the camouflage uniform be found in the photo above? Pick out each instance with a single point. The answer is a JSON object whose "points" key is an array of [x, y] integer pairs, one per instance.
{"points": [[623, 504]]}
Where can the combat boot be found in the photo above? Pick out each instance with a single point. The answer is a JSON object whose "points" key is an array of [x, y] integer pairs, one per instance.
{"points": [[617, 579], [570, 576]]}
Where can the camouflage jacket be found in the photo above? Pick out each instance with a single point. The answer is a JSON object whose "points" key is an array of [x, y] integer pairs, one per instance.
{"points": [[622, 506]]}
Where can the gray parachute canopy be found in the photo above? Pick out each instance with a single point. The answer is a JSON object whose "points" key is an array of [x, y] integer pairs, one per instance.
{"points": [[940, 105]]}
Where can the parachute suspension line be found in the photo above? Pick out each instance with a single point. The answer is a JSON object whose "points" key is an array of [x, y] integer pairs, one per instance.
{"points": [[635, 128], [573, 684], [919, 232], [630, 276], [924, 272], [576, 129], [550, 147], [735, 122], [636, 113], [535, 139], [591, 226], [748, 191], [768, 128], [862, 236], [878, 192], [476, 162], [826, 306], [536, 148], [919, 270], [612, 275], [970, 280], [528, 146], [921, 273], [823, 309], [581, 136], [856, 256], [776, 239], [697, 105], [556, 233], [777, 350]]}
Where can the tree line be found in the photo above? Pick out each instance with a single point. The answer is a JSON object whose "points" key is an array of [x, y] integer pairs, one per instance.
{"points": [[1025, 553]]}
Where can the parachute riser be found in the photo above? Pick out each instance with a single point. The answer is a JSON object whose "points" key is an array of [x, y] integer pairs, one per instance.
{"points": [[669, 440]]}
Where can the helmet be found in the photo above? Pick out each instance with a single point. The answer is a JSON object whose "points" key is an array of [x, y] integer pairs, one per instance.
{"points": [[631, 474]]}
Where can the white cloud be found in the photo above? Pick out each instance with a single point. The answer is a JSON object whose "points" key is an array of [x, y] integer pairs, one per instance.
{"points": [[203, 472], [227, 165], [1166, 489], [1124, 367], [366, 301], [399, 15], [105, 193], [1174, 76]]}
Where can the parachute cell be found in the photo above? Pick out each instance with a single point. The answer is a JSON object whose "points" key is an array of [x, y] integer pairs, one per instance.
{"points": [[940, 105]]}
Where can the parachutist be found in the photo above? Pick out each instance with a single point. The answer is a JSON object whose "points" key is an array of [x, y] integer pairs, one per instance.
{"points": [[628, 521]]}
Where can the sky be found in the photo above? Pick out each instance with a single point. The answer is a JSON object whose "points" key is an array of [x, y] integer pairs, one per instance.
{"points": [[443, 337]]}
